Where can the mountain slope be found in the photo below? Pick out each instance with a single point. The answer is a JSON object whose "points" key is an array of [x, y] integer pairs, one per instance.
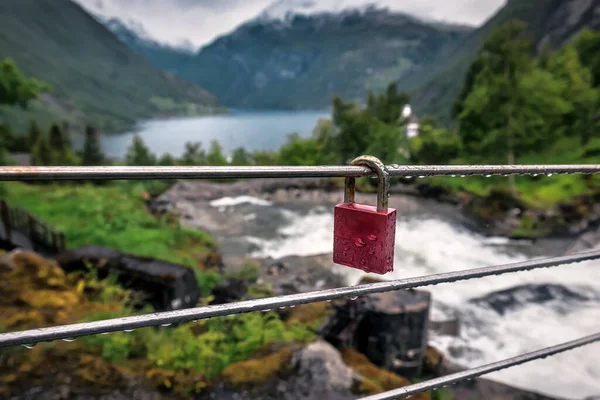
{"points": [[550, 22], [165, 57], [301, 61], [88, 67]]}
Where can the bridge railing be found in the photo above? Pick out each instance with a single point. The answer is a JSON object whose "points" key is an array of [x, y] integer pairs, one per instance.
{"points": [[30, 337]]}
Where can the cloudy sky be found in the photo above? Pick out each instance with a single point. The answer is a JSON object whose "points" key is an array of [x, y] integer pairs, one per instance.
{"points": [[200, 21]]}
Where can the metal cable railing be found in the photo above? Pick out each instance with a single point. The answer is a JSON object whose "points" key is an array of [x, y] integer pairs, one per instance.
{"points": [[443, 381], [68, 332], [191, 314], [25, 173]]}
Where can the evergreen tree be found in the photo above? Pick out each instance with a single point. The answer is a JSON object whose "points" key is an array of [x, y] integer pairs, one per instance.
{"points": [[215, 156], [92, 153], [240, 157], [66, 134], [511, 107], [57, 142], [41, 154], [33, 135], [166, 160], [194, 154], [587, 45], [264, 157], [579, 92], [139, 154], [7, 138]]}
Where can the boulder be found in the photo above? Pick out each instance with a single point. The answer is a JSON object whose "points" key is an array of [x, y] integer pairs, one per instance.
{"points": [[322, 374], [552, 295], [165, 285]]}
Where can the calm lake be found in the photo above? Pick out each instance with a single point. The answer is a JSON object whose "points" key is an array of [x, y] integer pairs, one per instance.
{"points": [[253, 130]]}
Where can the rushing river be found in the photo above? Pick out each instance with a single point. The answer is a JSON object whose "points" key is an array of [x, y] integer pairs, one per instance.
{"points": [[264, 130], [431, 238]]}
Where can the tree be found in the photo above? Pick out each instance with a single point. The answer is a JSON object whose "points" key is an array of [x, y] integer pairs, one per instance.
{"points": [[34, 134], [7, 137], [60, 146], [66, 131], [240, 157], [387, 107], [194, 154], [434, 145], [92, 152], [166, 160], [264, 157], [215, 155], [511, 106], [353, 129], [587, 44], [15, 88], [57, 142], [299, 151], [41, 153], [584, 99], [139, 154]]}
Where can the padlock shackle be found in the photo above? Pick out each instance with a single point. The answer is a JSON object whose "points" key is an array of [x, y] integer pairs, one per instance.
{"points": [[383, 181]]}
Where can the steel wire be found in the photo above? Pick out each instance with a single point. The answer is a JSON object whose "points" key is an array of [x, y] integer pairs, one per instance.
{"points": [[33, 336]]}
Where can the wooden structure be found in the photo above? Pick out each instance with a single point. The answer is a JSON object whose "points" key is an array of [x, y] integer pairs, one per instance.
{"points": [[20, 229]]}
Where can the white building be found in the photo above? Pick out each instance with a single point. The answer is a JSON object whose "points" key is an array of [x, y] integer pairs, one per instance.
{"points": [[412, 127]]}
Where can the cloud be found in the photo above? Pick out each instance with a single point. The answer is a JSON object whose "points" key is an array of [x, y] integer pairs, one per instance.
{"points": [[201, 21]]}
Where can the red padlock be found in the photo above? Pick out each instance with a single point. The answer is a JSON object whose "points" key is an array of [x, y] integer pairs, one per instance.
{"points": [[364, 235]]}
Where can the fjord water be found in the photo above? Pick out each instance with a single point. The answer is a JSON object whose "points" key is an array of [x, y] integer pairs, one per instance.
{"points": [[253, 130]]}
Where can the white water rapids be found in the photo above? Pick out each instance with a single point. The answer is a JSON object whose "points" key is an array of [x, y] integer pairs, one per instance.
{"points": [[428, 245]]}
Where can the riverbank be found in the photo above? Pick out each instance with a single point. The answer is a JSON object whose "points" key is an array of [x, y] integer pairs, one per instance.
{"points": [[288, 223]]}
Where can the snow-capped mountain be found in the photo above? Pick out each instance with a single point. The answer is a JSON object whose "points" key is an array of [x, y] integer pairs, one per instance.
{"points": [[134, 35], [285, 9]]}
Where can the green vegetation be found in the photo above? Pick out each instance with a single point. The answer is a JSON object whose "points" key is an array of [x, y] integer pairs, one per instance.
{"points": [[189, 357], [16, 89], [95, 78], [434, 90], [113, 216]]}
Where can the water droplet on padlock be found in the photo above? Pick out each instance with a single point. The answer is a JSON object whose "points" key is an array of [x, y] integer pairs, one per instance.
{"points": [[29, 346], [353, 298], [372, 237], [363, 261], [372, 251], [550, 174], [488, 176], [359, 242], [346, 248]]}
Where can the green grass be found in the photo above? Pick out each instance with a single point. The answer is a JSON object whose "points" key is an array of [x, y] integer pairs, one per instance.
{"points": [[540, 192], [113, 216]]}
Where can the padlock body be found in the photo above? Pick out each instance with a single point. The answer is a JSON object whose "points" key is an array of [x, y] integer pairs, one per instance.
{"points": [[364, 238]]}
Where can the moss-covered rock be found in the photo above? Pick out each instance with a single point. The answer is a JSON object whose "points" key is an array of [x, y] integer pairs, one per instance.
{"points": [[36, 293], [376, 380], [259, 370]]}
